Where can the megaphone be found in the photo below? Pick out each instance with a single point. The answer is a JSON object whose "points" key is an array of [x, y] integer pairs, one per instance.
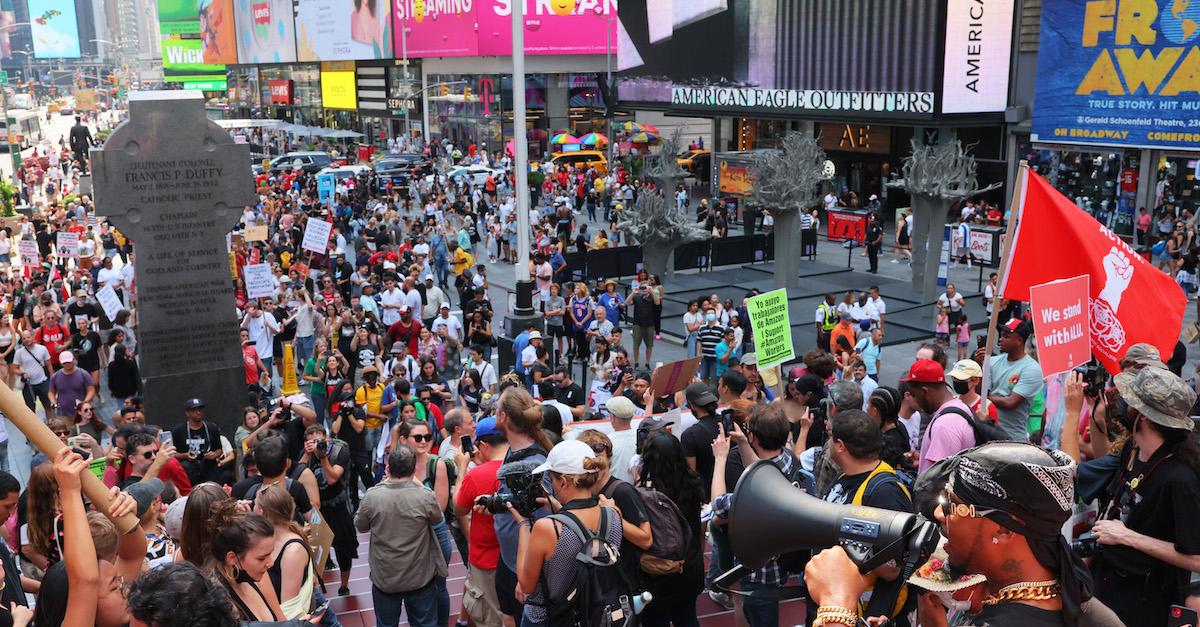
{"points": [[769, 516]]}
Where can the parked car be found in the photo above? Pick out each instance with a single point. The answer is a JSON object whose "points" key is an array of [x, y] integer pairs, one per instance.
{"points": [[580, 159], [476, 173], [689, 157], [308, 161]]}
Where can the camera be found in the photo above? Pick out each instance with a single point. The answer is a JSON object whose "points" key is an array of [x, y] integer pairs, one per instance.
{"points": [[523, 490], [322, 446], [1085, 546], [1094, 378]]}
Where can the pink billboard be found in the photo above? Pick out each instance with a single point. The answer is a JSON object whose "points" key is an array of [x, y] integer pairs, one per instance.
{"points": [[435, 28], [551, 26]]}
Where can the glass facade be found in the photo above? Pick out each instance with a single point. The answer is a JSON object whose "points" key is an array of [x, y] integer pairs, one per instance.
{"points": [[306, 92], [1103, 181]]}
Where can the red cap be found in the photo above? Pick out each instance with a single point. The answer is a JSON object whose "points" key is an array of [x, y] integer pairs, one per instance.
{"points": [[925, 371]]}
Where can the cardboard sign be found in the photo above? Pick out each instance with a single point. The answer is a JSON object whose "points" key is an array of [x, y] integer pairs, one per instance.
{"points": [[68, 244], [670, 378], [1061, 319], [772, 328], [256, 233], [109, 301], [29, 252], [320, 540], [316, 235], [259, 282]]}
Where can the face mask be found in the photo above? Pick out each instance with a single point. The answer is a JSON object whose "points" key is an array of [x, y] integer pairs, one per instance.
{"points": [[953, 604], [961, 387], [711, 317]]}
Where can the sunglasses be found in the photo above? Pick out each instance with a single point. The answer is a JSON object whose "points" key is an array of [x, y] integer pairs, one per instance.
{"points": [[950, 507], [147, 455], [422, 437], [62, 434]]}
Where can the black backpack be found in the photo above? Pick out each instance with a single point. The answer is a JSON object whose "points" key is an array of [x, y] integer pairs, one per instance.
{"points": [[984, 432], [672, 541], [600, 595]]}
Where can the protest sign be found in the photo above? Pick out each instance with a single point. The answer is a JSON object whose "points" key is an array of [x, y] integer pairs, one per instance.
{"points": [[670, 378], [772, 329], [68, 244], [109, 301], [1061, 318], [29, 252], [256, 233], [316, 235], [259, 282]]}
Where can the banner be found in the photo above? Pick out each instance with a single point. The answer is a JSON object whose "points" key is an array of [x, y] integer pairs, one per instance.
{"points": [[109, 301], [339, 90], [256, 233], [266, 31], [54, 27], [67, 244], [978, 50], [568, 27], [85, 99], [847, 224], [1130, 300], [1060, 322], [259, 281], [29, 252], [316, 235], [339, 30], [438, 29], [326, 184], [772, 329], [1118, 76]]}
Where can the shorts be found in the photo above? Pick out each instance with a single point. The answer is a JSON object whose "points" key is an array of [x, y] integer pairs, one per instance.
{"points": [[942, 337], [643, 335], [479, 597], [963, 344], [506, 588], [556, 330]]}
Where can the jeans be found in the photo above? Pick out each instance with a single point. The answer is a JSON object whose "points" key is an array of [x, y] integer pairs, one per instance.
{"points": [[447, 545], [420, 605], [441, 268], [372, 436], [42, 391], [708, 367], [304, 348], [760, 612], [691, 345]]}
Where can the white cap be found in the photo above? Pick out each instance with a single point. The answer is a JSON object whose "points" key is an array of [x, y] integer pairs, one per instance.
{"points": [[66, 357], [566, 458], [620, 407]]}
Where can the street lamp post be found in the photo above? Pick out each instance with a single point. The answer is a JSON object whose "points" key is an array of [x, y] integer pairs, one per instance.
{"points": [[407, 84], [524, 304]]}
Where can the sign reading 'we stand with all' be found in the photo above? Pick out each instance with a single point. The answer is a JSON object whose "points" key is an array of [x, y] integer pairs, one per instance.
{"points": [[1060, 320]]}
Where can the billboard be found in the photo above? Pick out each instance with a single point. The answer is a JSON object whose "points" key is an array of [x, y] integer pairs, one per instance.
{"points": [[978, 51], [792, 58], [183, 62], [266, 31], [574, 27], [1118, 77], [197, 41], [55, 29], [344, 30], [436, 29], [339, 90]]}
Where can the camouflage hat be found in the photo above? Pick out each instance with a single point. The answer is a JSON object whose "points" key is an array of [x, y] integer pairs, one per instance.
{"points": [[1159, 395], [1145, 355]]}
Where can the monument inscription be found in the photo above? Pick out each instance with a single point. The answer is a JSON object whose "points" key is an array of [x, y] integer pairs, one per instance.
{"points": [[169, 179]]}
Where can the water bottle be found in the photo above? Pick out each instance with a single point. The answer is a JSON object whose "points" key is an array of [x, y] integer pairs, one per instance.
{"points": [[640, 601]]}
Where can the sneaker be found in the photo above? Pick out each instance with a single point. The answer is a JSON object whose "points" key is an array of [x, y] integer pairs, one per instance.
{"points": [[895, 261], [658, 336], [345, 592], [721, 598]]}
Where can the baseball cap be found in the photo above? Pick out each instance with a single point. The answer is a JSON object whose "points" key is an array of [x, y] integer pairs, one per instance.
{"points": [[619, 407], [193, 403], [750, 359], [143, 492], [486, 427], [534, 335], [173, 520], [403, 308], [370, 370], [1019, 326], [966, 369], [444, 306], [66, 357], [1144, 354], [1159, 395], [925, 371], [699, 394], [566, 458], [398, 347]]}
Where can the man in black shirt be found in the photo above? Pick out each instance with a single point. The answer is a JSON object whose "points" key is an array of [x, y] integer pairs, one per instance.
{"points": [[328, 460], [642, 308], [479, 303], [198, 442], [569, 393], [270, 455], [874, 239], [697, 439]]}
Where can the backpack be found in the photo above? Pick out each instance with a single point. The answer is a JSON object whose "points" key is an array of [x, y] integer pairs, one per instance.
{"points": [[983, 431], [672, 534], [600, 594]]}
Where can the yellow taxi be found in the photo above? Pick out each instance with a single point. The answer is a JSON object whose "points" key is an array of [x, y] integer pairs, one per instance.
{"points": [[579, 159], [685, 160]]}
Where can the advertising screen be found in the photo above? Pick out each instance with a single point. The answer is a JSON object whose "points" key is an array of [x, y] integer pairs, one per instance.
{"points": [[338, 90], [209, 21], [183, 62], [436, 29], [55, 29], [569, 27], [266, 31], [1113, 77], [978, 51], [343, 30]]}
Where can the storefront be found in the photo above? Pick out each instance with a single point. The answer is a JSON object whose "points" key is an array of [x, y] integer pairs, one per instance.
{"points": [[388, 94], [291, 92], [245, 95], [1101, 181]]}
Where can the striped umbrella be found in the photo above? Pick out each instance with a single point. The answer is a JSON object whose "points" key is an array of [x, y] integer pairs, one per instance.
{"points": [[643, 138], [650, 128], [593, 139], [564, 138], [630, 127]]}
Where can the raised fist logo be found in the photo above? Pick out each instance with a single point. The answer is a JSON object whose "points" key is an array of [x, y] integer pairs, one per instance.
{"points": [[1105, 327], [1118, 271]]}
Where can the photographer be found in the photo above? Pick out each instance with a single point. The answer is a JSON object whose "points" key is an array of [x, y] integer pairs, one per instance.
{"points": [[349, 425], [1147, 532], [328, 461], [479, 596]]}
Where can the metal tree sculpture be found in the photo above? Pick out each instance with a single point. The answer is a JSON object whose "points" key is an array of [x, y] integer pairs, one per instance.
{"points": [[936, 177], [655, 221], [786, 183]]}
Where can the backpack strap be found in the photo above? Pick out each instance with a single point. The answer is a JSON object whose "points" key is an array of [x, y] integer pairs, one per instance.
{"points": [[868, 487]]}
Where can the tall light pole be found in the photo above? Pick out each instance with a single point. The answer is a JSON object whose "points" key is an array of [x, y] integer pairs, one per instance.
{"points": [[407, 84], [608, 105], [524, 305]]}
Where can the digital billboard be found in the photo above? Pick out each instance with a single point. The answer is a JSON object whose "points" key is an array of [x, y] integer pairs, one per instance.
{"points": [[437, 29], [978, 51], [55, 29], [339, 89], [1124, 77], [266, 31], [343, 30], [568, 27], [197, 41]]}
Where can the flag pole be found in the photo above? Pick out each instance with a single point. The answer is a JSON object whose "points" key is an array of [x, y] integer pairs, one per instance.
{"points": [[1018, 204]]}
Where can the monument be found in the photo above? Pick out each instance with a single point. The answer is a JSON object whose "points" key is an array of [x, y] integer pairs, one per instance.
{"points": [[786, 184], [175, 183]]}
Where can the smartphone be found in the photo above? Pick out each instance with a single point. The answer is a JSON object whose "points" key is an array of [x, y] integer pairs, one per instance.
{"points": [[1181, 616], [321, 609], [727, 421], [164, 437], [73, 441], [466, 445]]}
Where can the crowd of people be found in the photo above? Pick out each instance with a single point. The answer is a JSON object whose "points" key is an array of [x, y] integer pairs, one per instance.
{"points": [[573, 492]]}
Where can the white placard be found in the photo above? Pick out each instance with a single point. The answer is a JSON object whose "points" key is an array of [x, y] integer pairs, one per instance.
{"points": [[29, 252], [977, 54], [109, 301], [316, 235], [68, 244], [259, 281]]}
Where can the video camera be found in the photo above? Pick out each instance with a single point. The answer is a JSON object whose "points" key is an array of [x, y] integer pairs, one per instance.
{"points": [[522, 490]]}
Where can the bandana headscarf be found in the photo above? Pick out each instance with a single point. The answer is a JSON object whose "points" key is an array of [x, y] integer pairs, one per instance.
{"points": [[1032, 490]]}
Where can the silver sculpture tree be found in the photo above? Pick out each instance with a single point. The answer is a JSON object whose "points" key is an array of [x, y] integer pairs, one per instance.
{"points": [[655, 221], [787, 182], [936, 177]]}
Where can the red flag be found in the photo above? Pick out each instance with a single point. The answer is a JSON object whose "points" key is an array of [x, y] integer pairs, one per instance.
{"points": [[1131, 300]]}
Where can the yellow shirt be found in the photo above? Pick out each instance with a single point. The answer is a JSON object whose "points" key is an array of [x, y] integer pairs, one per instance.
{"points": [[372, 399], [461, 260], [601, 242]]}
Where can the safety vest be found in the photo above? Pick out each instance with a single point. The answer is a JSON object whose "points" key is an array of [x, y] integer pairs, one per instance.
{"points": [[859, 495], [831, 316]]}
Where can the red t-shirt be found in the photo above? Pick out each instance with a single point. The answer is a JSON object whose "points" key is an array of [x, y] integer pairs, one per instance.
{"points": [[50, 337], [484, 547], [400, 332], [992, 415], [250, 364]]}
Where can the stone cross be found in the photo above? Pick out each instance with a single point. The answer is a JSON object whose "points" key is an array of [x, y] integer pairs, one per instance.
{"points": [[175, 183]]}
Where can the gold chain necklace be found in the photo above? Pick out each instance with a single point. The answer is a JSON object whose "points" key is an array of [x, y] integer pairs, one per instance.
{"points": [[1024, 591]]}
